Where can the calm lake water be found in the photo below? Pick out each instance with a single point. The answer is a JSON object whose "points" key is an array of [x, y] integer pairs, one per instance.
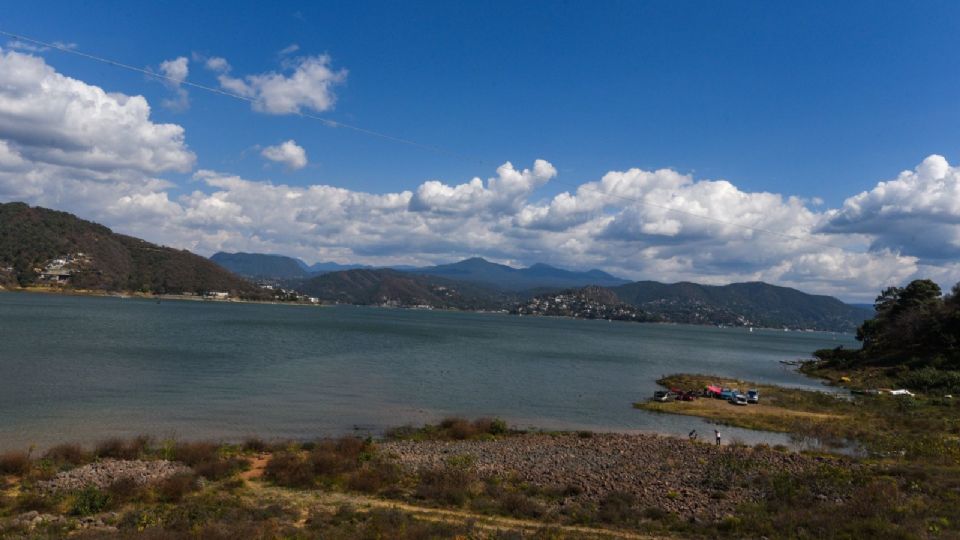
{"points": [[85, 368]]}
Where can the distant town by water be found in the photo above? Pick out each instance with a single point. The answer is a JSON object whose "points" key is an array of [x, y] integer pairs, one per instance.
{"points": [[87, 368]]}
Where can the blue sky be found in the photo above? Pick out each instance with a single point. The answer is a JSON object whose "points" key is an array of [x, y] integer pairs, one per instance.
{"points": [[812, 100]]}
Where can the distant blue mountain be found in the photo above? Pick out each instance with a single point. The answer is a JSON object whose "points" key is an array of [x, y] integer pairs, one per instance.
{"points": [[324, 267], [538, 276], [261, 266], [475, 270]]}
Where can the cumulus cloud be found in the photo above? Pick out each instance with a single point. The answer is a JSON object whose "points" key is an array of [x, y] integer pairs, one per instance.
{"points": [[72, 146], [289, 49], [307, 82], [218, 64], [49, 118], [289, 153], [502, 193], [918, 213], [176, 71]]}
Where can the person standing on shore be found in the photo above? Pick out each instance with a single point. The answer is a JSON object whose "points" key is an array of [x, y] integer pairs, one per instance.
{"points": [[717, 433]]}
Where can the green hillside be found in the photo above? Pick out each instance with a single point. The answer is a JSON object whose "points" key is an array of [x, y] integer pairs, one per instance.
{"points": [[46, 247]]}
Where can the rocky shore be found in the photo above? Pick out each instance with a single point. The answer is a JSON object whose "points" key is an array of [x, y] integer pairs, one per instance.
{"points": [[692, 479]]}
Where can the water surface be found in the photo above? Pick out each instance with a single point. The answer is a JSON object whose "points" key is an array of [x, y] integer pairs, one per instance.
{"points": [[84, 368]]}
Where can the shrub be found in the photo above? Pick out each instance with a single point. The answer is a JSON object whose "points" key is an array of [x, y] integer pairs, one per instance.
{"points": [[174, 488], [519, 505], [15, 463], [616, 508], [33, 500], [195, 453], [88, 501], [374, 477], [290, 469], [458, 428], [118, 448], [656, 514], [71, 454], [124, 490], [450, 484], [219, 468], [332, 457], [254, 444]]}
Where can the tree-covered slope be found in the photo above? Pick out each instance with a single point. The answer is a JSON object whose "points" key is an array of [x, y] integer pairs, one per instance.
{"points": [[754, 303], [390, 287], [33, 237]]}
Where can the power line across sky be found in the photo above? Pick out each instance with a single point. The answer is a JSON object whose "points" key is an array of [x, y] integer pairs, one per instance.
{"points": [[810, 238]]}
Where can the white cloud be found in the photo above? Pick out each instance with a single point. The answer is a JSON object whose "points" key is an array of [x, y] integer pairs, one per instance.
{"points": [[49, 118], [176, 71], [918, 213], [307, 84], [289, 49], [289, 153], [504, 193], [70, 145], [217, 64], [32, 47]]}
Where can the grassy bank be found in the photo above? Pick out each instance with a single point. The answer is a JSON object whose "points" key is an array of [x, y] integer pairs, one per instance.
{"points": [[917, 428], [908, 485]]}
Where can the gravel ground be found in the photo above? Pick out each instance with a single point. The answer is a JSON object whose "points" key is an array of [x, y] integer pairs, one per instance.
{"points": [[104, 473], [663, 472]]}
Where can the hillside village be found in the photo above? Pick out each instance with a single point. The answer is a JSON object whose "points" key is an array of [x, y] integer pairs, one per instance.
{"points": [[586, 303]]}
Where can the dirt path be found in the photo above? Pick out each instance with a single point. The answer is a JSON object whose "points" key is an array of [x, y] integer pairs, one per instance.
{"points": [[257, 466], [331, 501]]}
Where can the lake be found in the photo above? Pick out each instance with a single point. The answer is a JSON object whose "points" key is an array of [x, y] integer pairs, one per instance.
{"points": [[81, 369]]}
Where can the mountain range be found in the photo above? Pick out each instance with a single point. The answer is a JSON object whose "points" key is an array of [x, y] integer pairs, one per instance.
{"points": [[475, 270], [45, 247], [476, 283]]}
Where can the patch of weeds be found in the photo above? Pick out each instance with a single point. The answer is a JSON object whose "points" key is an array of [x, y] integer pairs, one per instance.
{"points": [[89, 500]]}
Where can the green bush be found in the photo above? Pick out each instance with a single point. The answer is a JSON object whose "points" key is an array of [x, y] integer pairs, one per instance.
{"points": [[88, 501]]}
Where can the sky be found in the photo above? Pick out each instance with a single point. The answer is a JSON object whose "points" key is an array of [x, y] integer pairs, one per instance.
{"points": [[803, 144]]}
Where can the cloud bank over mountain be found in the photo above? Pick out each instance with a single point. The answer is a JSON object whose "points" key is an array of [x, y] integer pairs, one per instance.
{"points": [[73, 146]]}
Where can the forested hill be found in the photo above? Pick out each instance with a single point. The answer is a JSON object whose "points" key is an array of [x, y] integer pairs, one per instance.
{"points": [[914, 326], [394, 288], [748, 304], [913, 341], [40, 246]]}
